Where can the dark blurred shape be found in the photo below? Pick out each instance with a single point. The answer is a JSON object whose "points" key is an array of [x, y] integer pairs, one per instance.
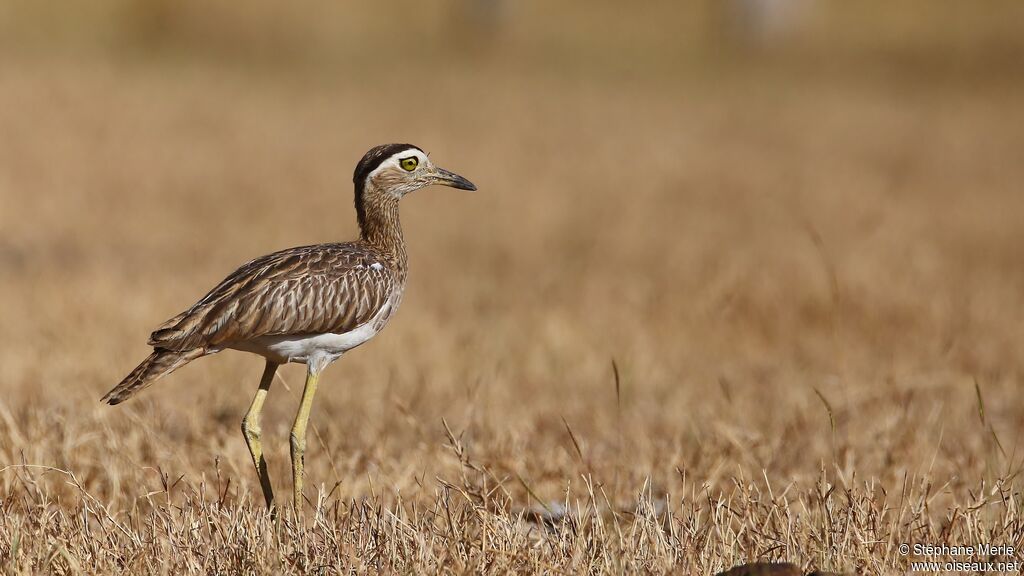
{"points": [[749, 26], [771, 569], [764, 569]]}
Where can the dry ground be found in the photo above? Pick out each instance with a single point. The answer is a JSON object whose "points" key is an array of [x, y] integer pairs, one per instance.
{"points": [[810, 286]]}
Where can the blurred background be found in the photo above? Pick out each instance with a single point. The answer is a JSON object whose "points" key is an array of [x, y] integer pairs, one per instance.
{"points": [[796, 227]]}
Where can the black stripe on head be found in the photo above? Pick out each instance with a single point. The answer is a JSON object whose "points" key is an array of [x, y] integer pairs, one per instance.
{"points": [[373, 159], [370, 162]]}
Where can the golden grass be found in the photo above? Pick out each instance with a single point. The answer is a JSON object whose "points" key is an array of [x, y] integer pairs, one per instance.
{"points": [[809, 285]]}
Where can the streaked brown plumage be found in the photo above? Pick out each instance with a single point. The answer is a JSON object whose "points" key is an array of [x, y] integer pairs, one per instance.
{"points": [[308, 304], [325, 288], [311, 289]]}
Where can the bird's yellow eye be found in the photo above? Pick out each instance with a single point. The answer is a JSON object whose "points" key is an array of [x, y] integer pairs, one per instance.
{"points": [[409, 164]]}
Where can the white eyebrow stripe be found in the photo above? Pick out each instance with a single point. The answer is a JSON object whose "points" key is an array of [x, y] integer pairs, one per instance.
{"points": [[393, 161]]}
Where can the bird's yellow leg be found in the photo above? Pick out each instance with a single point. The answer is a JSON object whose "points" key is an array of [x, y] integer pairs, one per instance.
{"points": [[298, 436], [253, 434]]}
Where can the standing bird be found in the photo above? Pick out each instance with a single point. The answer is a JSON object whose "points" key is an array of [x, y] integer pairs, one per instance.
{"points": [[309, 304]]}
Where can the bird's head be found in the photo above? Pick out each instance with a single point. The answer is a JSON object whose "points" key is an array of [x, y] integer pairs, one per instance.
{"points": [[398, 169]]}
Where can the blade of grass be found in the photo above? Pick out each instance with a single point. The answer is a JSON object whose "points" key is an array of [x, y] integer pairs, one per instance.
{"points": [[575, 444]]}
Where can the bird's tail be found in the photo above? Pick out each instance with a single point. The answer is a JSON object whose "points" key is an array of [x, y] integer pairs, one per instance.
{"points": [[160, 363]]}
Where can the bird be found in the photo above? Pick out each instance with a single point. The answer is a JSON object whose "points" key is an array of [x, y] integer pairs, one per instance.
{"points": [[308, 305]]}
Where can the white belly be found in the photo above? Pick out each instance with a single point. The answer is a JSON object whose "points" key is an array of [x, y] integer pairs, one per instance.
{"points": [[300, 347]]}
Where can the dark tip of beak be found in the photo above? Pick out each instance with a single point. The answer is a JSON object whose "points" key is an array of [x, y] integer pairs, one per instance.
{"points": [[463, 184], [454, 180]]}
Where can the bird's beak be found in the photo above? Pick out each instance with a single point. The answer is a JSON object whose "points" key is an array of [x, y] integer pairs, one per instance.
{"points": [[446, 178]]}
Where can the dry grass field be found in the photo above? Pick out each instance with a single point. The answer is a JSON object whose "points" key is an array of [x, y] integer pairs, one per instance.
{"points": [[715, 301]]}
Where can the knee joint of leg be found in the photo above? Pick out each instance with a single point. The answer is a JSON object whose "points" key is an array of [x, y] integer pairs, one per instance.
{"points": [[249, 429], [298, 442]]}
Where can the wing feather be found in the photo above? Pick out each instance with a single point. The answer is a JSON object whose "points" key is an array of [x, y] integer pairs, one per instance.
{"points": [[308, 290]]}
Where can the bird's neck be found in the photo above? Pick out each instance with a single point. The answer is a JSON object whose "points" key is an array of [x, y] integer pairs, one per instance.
{"points": [[379, 225]]}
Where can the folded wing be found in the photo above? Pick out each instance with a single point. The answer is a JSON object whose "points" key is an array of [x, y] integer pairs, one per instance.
{"points": [[327, 288]]}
